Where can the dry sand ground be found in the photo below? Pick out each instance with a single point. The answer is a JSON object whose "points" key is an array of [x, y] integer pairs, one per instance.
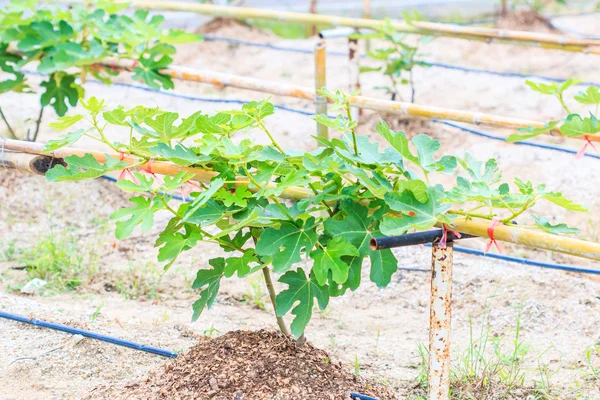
{"points": [[380, 328]]}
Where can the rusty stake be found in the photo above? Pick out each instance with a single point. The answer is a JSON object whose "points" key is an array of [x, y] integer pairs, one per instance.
{"points": [[439, 321]]}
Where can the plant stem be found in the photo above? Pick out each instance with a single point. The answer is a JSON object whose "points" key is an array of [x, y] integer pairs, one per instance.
{"points": [[10, 130], [470, 215], [562, 103], [412, 86], [37, 124], [353, 131], [264, 128], [521, 211], [272, 198], [271, 290]]}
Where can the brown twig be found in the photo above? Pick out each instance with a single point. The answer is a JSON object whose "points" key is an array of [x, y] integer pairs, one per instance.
{"points": [[10, 130]]}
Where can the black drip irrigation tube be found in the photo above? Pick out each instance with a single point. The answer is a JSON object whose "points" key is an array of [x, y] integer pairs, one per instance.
{"points": [[433, 236], [88, 334]]}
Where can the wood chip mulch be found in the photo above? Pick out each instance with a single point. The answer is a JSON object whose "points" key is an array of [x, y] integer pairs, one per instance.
{"points": [[249, 365]]}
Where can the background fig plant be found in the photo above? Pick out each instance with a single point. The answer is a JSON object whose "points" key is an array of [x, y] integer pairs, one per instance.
{"points": [[67, 45]]}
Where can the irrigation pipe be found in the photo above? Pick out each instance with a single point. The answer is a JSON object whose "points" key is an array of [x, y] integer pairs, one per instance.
{"points": [[308, 113], [429, 63], [288, 90], [524, 261], [512, 234], [544, 40], [88, 334], [522, 143]]}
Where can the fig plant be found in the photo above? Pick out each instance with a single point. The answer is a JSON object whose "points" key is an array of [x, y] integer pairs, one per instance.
{"points": [[306, 216], [68, 44], [397, 56], [573, 125]]}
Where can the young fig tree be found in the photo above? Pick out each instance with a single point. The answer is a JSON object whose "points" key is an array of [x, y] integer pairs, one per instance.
{"points": [[306, 217], [396, 57]]}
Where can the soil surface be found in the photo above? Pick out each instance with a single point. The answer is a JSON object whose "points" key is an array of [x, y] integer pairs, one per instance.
{"points": [[126, 294]]}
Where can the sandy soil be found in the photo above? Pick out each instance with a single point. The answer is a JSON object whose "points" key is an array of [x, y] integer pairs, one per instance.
{"points": [[559, 312]]}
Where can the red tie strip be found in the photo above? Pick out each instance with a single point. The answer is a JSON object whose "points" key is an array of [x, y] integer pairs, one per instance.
{"points": [[490, 232], [148, 171], [126, 173], [444, 240], [188, 188], [588, 142]]}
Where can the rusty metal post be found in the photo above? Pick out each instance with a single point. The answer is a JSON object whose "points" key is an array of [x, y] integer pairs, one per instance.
{"points": [[439, 321], [354, 72], [312, 8], [320, 83]]}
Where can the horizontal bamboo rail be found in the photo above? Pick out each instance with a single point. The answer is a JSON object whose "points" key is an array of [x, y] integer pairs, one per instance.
{"points": [[506, 233], [221, 79], [28, 163], [544, 40]]}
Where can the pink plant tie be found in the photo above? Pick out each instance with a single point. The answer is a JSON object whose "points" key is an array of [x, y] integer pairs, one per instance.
{"points": [[490, 232], [126, 173], [588, 142], [444, 240]]}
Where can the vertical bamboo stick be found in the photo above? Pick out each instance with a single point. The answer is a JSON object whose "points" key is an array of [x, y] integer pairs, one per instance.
{"points": [[367, 15], [320, 83], [354, 72], [503, 8], [439, 322]]}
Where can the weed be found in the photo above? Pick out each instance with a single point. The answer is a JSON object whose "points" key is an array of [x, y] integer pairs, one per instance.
{"points": [[9, 252], [140, 280], [485, 370], [592, 360], [256, 293], [96, 313], [211, 331], [356, 366], [59, 259]]}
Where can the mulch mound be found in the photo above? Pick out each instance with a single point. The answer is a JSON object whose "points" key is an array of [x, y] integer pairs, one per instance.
{"points": [[409, 125], [249, 365], [528, 20]]}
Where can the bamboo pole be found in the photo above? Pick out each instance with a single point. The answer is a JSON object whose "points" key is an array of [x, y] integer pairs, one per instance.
{"points": [[320, 83], [28, 163], [544, 40], [527, 237], [220, 79]]}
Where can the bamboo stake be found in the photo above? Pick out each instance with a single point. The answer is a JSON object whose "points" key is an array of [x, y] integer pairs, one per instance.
{"points": [[354, 72], [367, 15], [527, 237], [320, 83], [544, 40], [368, 103]]}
